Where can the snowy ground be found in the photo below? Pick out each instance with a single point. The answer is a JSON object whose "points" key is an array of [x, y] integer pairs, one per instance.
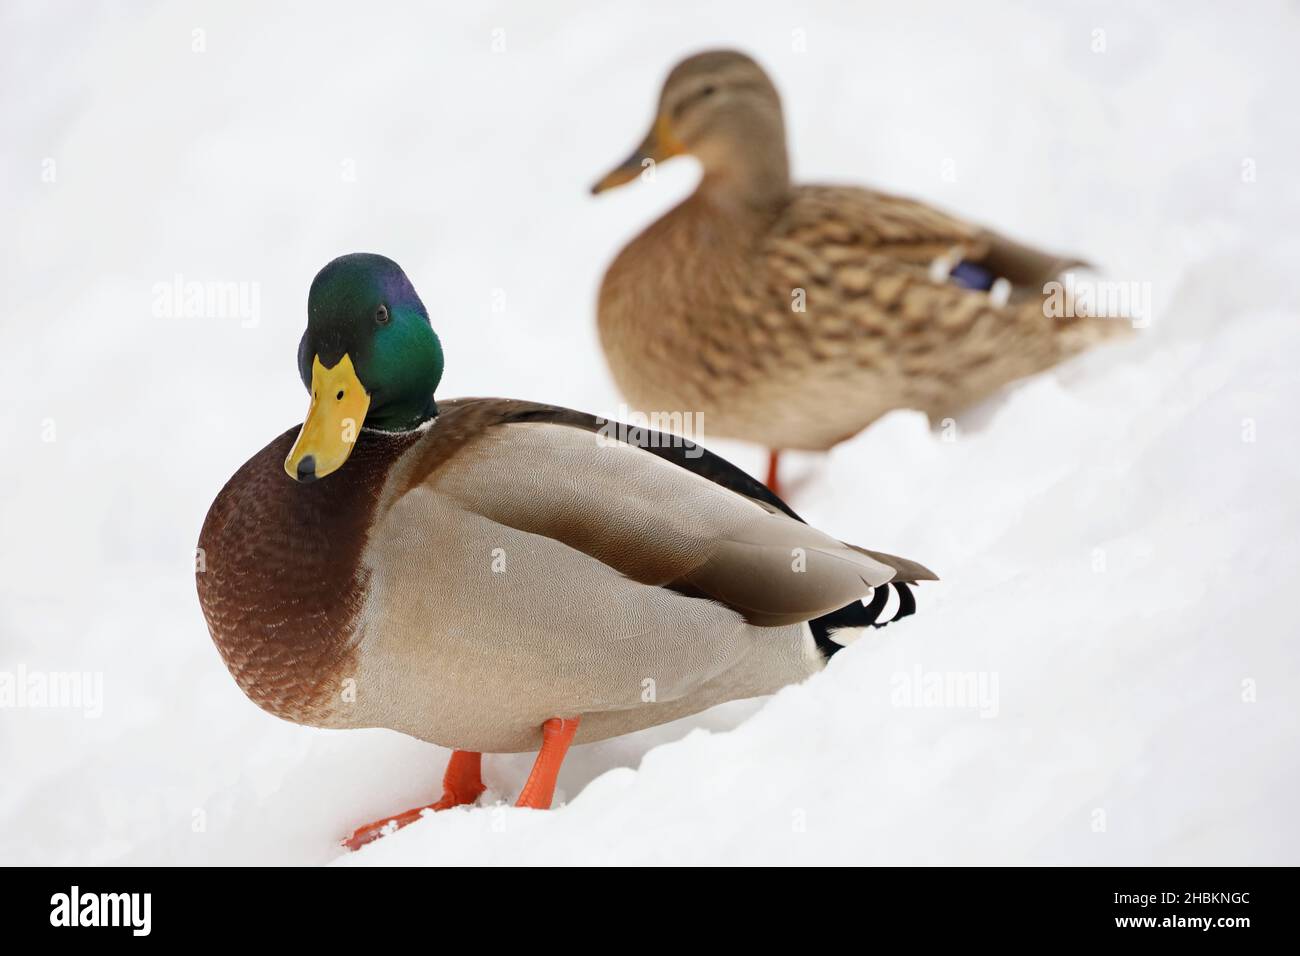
{"points": [[1119, 540]]}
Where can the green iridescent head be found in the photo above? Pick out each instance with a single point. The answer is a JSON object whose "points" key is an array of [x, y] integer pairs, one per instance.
{"points": [[369, 357]]}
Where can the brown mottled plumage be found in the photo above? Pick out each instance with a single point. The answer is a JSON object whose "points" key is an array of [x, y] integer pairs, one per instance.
{"points": [[794, 316]]}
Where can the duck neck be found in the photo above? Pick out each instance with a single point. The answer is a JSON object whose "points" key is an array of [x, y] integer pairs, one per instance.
{"points": [[751, 172], [404, 418]]}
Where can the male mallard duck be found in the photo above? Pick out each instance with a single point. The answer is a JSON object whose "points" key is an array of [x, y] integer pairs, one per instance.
{"points": [[795, 316], [497, 575]]}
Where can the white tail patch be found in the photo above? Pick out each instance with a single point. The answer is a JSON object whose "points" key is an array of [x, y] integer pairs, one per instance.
{"points": [[892, 606], [844, 636]]}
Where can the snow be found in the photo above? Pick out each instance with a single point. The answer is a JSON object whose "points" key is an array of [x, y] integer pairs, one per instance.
{"points": [[1107, 672]]}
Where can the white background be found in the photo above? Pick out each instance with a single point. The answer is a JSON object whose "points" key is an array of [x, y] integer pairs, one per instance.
{"points": [[1113, 551]]}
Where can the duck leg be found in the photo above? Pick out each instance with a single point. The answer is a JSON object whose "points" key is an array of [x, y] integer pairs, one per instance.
{"points": [[461, 784], [773, 462], [557, 734]]}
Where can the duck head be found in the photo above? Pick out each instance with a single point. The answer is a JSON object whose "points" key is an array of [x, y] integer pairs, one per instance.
{"points": [[369, 358], [721, 108]]}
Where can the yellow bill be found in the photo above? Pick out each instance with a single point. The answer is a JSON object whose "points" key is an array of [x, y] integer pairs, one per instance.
{"points": [[659, 144], [338, 408]]}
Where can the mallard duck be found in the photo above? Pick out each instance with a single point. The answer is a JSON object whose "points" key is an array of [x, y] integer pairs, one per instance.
{"points": [[794, 316], [503, 576]]}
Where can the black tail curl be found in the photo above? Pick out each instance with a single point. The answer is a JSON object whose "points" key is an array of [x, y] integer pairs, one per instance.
{"points": [[858, 614]]}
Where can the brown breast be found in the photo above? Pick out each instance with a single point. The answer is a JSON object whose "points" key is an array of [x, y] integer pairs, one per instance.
{"points": [[280, 579], [668, 310]]}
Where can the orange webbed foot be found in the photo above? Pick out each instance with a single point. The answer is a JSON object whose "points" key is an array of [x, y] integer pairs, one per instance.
{"points": [[461, 784]]}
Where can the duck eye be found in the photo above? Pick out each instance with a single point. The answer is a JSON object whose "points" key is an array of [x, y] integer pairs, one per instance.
{"points": [[381, 315], [703, 93], [339, 396]]}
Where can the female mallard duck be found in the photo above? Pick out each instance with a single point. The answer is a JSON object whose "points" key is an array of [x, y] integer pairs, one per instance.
{"points": [[497, 575], [795, 316]]}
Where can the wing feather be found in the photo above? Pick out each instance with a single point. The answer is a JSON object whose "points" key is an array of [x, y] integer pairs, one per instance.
{"points": [[552, 472]]}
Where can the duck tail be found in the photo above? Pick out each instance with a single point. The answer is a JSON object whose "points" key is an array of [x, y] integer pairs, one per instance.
{"points": [[1083, 332], [837, 630], [1081, 320]]}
